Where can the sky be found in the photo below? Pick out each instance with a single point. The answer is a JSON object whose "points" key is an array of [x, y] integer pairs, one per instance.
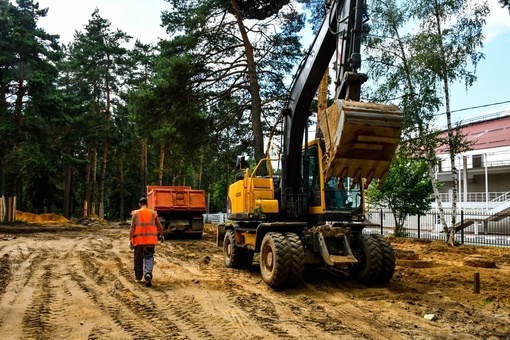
{"points": [[141, 19]]}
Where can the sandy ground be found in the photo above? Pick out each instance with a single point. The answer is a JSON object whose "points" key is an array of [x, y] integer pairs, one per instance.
{"points": [[65, 281]]}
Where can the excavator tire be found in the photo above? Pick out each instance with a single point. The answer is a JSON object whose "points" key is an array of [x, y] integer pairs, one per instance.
{"points": [[296, 259], [235, 257], [367, 251], [274, 260], [388, 258]]}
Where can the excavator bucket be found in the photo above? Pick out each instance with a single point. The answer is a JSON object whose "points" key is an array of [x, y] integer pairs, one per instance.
{"points": [[360, 139]]}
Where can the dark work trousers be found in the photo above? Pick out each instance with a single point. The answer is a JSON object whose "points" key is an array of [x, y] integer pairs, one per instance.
{"points": [[144, 261]]}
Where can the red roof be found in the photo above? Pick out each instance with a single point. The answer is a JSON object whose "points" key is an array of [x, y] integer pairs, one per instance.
{"points": [[494, 133]]}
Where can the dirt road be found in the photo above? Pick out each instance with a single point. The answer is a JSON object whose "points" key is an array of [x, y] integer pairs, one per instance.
{"points": [[75, 282]]}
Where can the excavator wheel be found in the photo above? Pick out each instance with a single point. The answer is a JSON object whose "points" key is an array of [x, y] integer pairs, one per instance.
{"points": [[367, 251], [388, 258], [235, 257], [296, 259], [274, 260]]}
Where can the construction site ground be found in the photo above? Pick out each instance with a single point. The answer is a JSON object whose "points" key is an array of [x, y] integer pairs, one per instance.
{"points": [[75, 281]]}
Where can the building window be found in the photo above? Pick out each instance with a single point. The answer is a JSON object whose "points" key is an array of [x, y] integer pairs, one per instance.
{"points": [[477, 161]]}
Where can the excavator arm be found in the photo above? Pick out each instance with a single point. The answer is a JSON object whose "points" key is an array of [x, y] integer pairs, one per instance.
{"points": [[340, 32]]}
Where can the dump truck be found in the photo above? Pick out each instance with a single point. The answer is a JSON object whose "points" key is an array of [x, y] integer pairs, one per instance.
{"points": [[180, 209], [313, 211]]}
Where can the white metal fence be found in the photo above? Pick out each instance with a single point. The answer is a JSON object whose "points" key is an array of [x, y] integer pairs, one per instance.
{"points": [[472, 227]]}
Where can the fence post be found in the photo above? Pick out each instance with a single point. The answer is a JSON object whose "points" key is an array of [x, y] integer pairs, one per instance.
{"points": [[418, 225], [382, 232], [462, 227]]}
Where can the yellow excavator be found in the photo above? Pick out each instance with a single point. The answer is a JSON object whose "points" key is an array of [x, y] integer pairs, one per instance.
{"points": [[313, 211]]}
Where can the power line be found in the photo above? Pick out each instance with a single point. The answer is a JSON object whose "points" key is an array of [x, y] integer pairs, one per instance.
{"points": [[474, 107]]}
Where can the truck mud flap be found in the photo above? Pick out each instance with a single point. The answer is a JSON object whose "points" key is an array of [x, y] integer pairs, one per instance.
{"points": [[360, 139]]}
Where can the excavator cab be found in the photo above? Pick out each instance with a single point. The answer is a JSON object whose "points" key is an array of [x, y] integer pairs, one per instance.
{"points": [[333, 199], [340, 196]]}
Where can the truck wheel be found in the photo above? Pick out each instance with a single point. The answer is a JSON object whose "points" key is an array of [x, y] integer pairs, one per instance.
{"points": [[388, 258], [368, 253], [235, 257], [296, 259], [274, 260]]}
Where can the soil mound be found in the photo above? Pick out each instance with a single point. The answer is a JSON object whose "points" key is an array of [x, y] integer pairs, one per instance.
{"points": [[41, 218]]}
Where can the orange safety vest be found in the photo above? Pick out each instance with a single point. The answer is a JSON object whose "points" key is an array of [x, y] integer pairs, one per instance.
{"points": [[146, 232]]}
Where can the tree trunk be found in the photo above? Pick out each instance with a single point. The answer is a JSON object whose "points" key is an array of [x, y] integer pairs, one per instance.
{"points": [[12, 176], [161, 163], [256, 102], [450, 232], [2, 208], [102, 178], [432, 173], [322, 99], [67, 192], [121, 184], [93, 182], [86, 186], [143, 172], [199, 186], [104, 162], [10, 207], [322, 95]]}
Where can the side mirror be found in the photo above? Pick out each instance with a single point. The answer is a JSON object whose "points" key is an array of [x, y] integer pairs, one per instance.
{"points": [[240, 163]]}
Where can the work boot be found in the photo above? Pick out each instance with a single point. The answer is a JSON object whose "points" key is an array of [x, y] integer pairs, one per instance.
{"points": [[148, 279]]}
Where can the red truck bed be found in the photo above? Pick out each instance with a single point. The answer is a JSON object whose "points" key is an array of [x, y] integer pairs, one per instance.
{"points": [[179, 208], [175, 198]]}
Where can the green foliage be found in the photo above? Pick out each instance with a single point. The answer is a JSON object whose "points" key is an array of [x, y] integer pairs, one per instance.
{"points": [[450, 37], [208, 32], [261, 9], [28, 100], [406, 191], [505, 3], [417, 67]]}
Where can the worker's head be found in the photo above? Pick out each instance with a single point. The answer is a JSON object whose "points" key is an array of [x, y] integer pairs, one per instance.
{"points": [[142, 201]]}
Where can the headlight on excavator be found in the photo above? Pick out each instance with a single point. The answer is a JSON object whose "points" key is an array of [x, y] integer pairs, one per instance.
{"points": [[358, 218], [253, 216]]}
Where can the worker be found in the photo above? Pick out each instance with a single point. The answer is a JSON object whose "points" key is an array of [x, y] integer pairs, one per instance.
{"points": [[144, 234]]}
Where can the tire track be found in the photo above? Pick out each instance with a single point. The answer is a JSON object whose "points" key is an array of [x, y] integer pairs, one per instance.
{"points": [[277, 313], [36, 321], [244, 308], [136, 315], [21, 286], [195, 319], [50, 302], [187, 314], [199, 313], [118, 314], [5, 274], [260, 309]]}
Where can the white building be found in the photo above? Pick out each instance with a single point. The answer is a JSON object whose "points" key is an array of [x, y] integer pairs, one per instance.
{"points": [[484, 171]]}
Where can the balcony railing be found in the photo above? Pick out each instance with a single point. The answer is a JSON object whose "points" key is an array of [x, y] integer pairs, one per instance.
{"points": [[480, 197]]}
